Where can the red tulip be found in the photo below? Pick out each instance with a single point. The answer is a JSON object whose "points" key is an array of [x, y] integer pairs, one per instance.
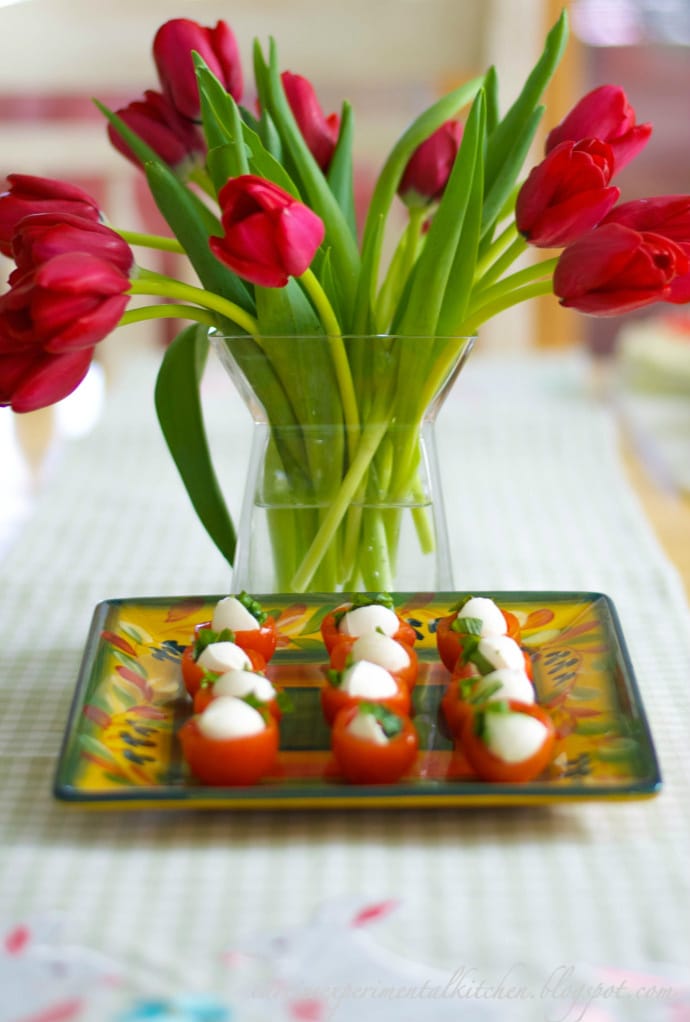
{"points": [[319, 132], [604, 113], [72, 301], [614, 269], [155, 120], [668, 215], [40, 237], [28, 194], [426, 175], [269, 235], [566, 194], [173, 46]]}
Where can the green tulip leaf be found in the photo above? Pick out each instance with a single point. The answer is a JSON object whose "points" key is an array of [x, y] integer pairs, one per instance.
{"points": [[178, 406], [386, 186], [493, 114], [216, 106], [432, 271], [519, 117], [339, 174], [501, 189], [175, 205]]}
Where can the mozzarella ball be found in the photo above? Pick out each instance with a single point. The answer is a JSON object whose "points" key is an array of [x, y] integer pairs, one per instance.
{"points": [[228, 717]]}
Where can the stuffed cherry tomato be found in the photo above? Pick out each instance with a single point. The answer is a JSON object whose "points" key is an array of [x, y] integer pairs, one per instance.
{"points": [[252, 627], [373, 745], [475, 616], [464, 693], [398, 658], [363, 682], [230, 743], [364, 617], [508, 741], [217, 656], [244, 685]]}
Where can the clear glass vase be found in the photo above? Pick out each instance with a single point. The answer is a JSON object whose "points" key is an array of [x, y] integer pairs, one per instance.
{"points": [[344, 490]]}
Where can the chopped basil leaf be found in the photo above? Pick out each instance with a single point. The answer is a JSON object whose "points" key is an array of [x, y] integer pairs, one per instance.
{"points": [[253, 606], [335, 678], [390, 723], [467, 625], [466, 687], [209, 679], [498, 706], [207, 636], [472, 655], [484, 692], [457, 607], [365, 600]]}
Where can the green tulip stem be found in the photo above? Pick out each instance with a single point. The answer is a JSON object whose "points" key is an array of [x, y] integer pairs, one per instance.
{"points": [[535, 271], [149, 283], [370, 439], [480, 314], [338, 353], [514, 250], [400, 266], [190, 312], [156, 241], [496, 249]]}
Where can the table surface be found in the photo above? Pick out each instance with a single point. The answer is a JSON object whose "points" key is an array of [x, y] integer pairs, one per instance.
{"points": [[567, 911]]}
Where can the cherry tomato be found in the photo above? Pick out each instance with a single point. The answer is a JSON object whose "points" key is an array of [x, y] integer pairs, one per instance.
{"points": [[193, 674], [335, 699], [406, 675], [449, 642], [455, 707], [230, 761], [366, 762], [331, 635], [490, 767], [261, 640]]}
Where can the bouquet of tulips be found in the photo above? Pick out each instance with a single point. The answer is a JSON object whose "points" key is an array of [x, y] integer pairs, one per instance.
{"points": [[260, 200]]}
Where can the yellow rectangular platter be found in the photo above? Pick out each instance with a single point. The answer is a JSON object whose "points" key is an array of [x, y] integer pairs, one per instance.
{"points": [[120, 748]]}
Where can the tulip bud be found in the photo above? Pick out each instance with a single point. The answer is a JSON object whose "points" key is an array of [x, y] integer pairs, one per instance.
{"points": [[177, 141], [566, 194], [28, 194], [613, 270], [426, 175], [269, 235], [319, 132], [173, 46], [604, 113]]}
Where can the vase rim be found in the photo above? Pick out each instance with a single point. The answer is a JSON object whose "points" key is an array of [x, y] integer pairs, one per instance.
{"points": [[217, 334]]}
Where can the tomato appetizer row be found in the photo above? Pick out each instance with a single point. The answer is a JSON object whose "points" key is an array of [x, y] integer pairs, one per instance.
{"points": [[488, 708]]}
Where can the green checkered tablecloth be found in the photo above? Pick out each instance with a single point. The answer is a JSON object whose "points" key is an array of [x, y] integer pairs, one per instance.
{"points": [[584, 907]]}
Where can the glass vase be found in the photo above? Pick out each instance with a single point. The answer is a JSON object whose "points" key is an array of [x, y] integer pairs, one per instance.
{"points": [[344, 489]]}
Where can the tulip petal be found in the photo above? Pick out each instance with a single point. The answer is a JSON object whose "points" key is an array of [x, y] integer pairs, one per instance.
{"points": [[80, 273], [299, 232], [91, 326], [49, 379]]}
